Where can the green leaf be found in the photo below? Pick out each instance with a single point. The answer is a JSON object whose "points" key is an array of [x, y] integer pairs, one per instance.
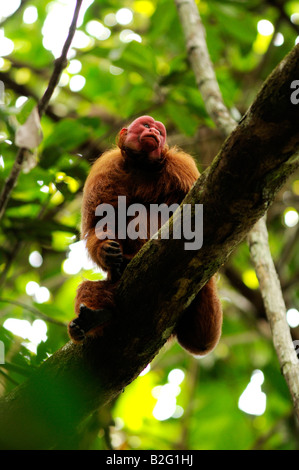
{"points": [[67, 135]]}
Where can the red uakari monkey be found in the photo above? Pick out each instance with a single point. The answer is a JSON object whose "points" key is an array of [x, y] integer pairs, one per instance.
{"points": [[143, 169]]}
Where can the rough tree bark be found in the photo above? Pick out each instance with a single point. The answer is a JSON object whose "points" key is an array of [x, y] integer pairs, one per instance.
{"points": [[275, 308], [163, 278]]}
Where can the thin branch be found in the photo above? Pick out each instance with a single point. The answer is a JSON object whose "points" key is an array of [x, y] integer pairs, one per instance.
{"points": [[195, 37], [42, 104], [288, 248], [60, 63], [10, 259], [253, 296], [275, 308], [11, 180], [24, 90], [291, 282], [25, 371], [8, 377], [33, 310], [269, 283]]}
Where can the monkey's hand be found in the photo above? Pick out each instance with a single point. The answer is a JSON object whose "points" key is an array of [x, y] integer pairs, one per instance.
{"points": [[111, 258], [88, 323]]}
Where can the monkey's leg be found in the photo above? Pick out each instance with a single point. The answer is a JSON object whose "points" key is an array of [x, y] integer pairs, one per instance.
{"points": [[94, 306], [199, 329]]}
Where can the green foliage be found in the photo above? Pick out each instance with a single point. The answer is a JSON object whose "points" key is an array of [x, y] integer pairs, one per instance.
{"points": [[40, 268]]}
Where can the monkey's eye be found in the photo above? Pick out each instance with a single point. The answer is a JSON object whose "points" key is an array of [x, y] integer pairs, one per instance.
{"points": [[146, 125]]}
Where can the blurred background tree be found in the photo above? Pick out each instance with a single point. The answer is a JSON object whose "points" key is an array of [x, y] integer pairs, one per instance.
{"points": [[128, 59]]}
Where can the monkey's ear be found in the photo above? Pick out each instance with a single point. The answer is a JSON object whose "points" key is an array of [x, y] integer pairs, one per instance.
{"points": [[123, 131]]}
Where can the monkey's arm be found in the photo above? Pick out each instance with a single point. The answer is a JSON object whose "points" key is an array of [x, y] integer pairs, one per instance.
{"points": [[102, 188]]}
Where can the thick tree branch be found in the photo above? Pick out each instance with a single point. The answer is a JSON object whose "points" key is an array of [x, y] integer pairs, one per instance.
{"points": [[163, 278], [41, 106]]}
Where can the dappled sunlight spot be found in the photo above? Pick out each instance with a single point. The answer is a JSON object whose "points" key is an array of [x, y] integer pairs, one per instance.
{"points": [[253, 401], [57, 20], [71, 266], [110, 19], [249, 278], [60, 175], [35, 333], [6, 45], [45, 189], [145, 371], [127, 35], [166, 401], [293, 317], [40, 294], [74, 66], [72, 184], [144, 7], [176, 376], [20, 101], [1, 162], [30, 15], [265, 31], [124, 16], [8, 8], [117, 438], [35, 259], [166, 406], [98, 30], [179, 411], [77, 259], [81, 40], [57, 198], [278, 40], [265, 27], [290, 217], [115, 70], [295, 18], [77, 82], [56, 26], [31, 287]]}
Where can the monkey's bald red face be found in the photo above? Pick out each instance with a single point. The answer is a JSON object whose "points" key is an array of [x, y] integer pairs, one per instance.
{"points": [[145, 135]]}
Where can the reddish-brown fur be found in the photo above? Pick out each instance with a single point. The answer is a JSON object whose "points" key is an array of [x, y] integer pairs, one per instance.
{"points": [[164, 177]]}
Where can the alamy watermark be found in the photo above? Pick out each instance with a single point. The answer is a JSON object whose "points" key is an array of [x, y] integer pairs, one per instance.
{"points": [[295, 95], [137, 221], [2, 353]]}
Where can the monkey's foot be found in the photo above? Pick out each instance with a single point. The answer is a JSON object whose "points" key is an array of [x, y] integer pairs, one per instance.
{"points": [[88, 322]]}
